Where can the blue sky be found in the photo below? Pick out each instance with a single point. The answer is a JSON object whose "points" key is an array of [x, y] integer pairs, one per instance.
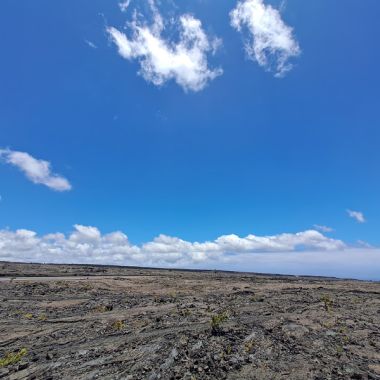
{"points": [[248, 153]]}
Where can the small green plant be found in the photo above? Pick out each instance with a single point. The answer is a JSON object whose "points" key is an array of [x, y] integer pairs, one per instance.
{"points": [[42, 317], [118, 325], [86, 287], [12, 357], [28, 315], [248, 346], [62, 284], [343, 330], [328, 302], [328, 324], [103, 308], [173, 295], [216, 322], [184, 312], [257, 299]]}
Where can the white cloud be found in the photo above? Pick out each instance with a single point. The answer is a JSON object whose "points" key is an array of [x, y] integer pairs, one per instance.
{"points": [[362, 243], [308, 252], [38, 171], [87, 244], [323, 228], [124, 5], [357, 215], [161, 59], [271, 42], [90, 44]]}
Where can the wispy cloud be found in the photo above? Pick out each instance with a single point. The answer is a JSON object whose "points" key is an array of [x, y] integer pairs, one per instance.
{"points": [[323, 228], [270, 41], [90, 44], [162, 59], [38, 171], [362, 243], [357, 215], [124, 5]]}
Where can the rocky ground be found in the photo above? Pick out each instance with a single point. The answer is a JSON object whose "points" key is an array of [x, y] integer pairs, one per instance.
{"points": [[87, 322]]}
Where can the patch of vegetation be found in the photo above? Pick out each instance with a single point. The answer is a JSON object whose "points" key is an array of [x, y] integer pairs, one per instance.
{"points": [[339, 350], [62, 284], [257, 299], [118, 325], [28, 315], [85, 287], [184, 312], [12, 357], [216, 322], [42, 317], [329, 324], [248, 346], [173, 295], [103, 308], [328, 302]]}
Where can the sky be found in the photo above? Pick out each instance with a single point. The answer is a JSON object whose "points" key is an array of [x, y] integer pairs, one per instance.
{"points": [[236, 135]]}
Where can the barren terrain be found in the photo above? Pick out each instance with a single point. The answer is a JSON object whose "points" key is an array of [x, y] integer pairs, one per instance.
{"points": [[88, 322]]}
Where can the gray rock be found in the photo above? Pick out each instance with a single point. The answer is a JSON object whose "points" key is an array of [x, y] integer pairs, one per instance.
{"points": [[3, 372], [170, 360], [197, 346], [294, 330], [22, 365]]}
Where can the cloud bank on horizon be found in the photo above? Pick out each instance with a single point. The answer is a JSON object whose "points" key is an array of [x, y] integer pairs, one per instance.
{"points": [[287, 253], [37, 171]]}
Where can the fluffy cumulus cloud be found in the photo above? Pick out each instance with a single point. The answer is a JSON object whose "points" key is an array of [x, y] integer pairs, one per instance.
{"points": [[87, 244], [161, 59], [270, 41], [38, 171], [357, 215], [308, 252]]}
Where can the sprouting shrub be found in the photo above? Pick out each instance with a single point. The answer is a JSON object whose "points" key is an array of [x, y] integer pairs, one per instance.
{"points": [[12, 357], [28, 315], [42, 317], [257, 299], [62, 284], [86, 286], [328, 302], [216, 322], [343, 330], [248, 345], [173, 295], [103, 308], [339, 350], [118, 325], [328, 324], [184, 312]]}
